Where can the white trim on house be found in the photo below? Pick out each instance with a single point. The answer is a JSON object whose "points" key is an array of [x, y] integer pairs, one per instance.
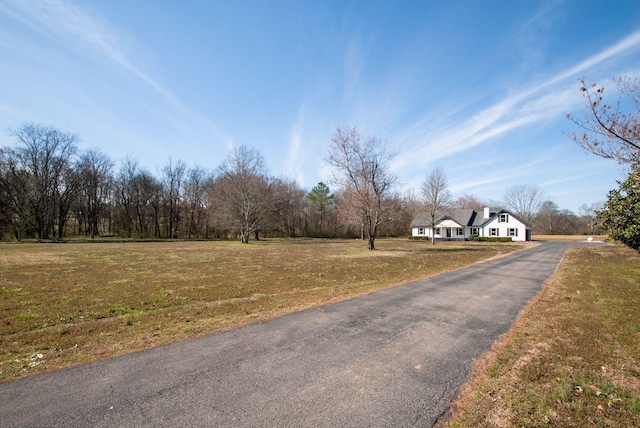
{"points": [[462, 224]]}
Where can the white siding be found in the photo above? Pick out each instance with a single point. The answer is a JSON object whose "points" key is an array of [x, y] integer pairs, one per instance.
{"points": [[503, 228]]}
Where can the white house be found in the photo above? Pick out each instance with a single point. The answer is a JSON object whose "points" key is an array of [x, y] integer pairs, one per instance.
{"points": [[454, 224]]}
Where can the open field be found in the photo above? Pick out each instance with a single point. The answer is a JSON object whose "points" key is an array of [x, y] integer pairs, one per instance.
{"points": [[573, 359], [65, 304]]}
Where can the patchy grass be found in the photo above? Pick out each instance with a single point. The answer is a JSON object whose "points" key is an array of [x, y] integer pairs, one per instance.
{"points": [[573, 359], [65, 304]]}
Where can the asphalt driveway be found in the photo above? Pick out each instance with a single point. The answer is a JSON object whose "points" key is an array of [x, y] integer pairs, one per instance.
{"points": [[392, 358]]}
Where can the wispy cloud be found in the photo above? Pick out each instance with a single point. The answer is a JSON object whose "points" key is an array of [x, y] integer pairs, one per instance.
{"points": [[7, 109], [621, 47], [89, 33], [496, 177], [533, 36], [540, 102], [63, 19], [293, 167]]}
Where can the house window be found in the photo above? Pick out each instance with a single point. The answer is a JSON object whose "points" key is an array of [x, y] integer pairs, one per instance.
{"points": [[504, 218], [437, 231], [421, 231], [475, 231], [512, 232], [460, 231], [494, 232]]}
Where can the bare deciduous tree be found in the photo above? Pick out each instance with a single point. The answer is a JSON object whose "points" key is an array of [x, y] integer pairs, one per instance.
{"points": [[195, 195], [96, 179], [589, 213], [65, 195], [148, 203], [138, 198], [468, 201], [124, 197], [288, 205], [172, 181], [244, 190], [362, 165], [348, 216], [411, 206], [436, 197], [16, 185], [548, 216], [611, 131], [46, 154], [525, 200]]}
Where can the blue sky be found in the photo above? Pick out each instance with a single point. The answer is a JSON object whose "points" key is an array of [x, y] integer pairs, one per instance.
{"points": [[478, 88]]}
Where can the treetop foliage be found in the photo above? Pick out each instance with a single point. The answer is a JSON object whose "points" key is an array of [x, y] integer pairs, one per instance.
{"points": [[621, 211]]}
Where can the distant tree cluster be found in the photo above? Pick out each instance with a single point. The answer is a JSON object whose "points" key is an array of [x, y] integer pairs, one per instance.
{"points": [[552, 220], [49, 189]]}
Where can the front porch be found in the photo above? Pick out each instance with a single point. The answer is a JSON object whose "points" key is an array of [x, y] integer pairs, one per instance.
{"points": [[450, 233]]}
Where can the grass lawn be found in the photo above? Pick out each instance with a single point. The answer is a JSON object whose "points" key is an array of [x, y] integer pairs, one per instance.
{"points": [[573, 358], [66, 304]]}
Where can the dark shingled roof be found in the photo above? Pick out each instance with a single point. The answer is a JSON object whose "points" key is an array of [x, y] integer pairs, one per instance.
{"points": [[464, 217]]}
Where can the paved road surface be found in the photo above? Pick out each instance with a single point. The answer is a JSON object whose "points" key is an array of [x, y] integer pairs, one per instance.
{"points": [[392, 358]]}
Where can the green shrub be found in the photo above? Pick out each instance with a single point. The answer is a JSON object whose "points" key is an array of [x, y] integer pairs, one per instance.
{"points": [[494, 239]]}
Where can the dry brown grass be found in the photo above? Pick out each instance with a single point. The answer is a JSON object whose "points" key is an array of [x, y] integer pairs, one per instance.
{"points": [[573, 359], [65, 304]]}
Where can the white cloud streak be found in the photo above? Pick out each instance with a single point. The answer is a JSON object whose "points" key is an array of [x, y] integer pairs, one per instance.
{"points": [[293, 167], [71, 24], [507, 173], [68, 21], [541, 102]]}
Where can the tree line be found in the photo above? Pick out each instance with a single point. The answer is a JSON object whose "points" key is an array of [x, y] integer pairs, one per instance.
{"points": [[49, 189]]}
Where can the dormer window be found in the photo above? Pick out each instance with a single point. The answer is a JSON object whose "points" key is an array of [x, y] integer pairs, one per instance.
{"points": [[504, 218]]}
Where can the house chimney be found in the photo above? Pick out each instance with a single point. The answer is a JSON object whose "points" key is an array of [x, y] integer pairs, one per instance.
{"points": [[487, 213]]}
